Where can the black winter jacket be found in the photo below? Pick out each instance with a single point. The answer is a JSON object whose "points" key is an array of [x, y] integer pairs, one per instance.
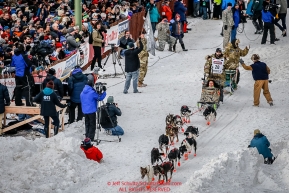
{"points": [[58, 87], [4, 98], [48, 99], [113, 112], [132, 62]]}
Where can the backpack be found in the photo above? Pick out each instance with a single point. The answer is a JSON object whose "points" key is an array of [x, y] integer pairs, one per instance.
{"points": [[104, 116], [90, 38]]}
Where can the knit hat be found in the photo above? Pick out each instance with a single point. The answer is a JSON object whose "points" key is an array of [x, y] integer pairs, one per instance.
{"points": [[110, 99], [177, 15], [256, 131], [229, 4], [62, 39], [87, 141], [94, 15], [218, 50], [71, 29], [51, 71], [5, 28], [130, 45], [58, 45], [50, 84]]}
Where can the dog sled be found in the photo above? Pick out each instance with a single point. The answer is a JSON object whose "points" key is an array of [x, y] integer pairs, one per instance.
{"points": [[232, 80]]}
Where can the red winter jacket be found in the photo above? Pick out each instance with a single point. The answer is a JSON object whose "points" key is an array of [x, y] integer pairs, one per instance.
{"points": [[92, 153], [166, 11]]}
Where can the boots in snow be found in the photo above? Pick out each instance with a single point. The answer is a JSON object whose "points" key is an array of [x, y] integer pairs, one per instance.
{"points": [[183, 46], [174, 48], [56, 129]]}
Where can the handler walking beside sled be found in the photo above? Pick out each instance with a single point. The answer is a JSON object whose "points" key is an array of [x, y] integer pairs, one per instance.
{"points": [[260, 72]]}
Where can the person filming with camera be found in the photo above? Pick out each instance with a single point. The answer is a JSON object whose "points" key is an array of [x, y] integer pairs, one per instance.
{"points": [[89, 98], [110, 125]]}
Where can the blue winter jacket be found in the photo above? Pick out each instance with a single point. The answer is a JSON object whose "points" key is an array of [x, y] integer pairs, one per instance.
{"points": [[236, 17], [89, 98], [249, 8], [154, 13], [267, 17], [21, 63], [225, 3], [180, 9], [259, 71], [262, 144], [76, 84]]}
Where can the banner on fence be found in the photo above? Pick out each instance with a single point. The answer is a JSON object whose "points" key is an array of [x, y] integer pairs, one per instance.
{"points": [[111, 37], [150, 35], [10, 83]]}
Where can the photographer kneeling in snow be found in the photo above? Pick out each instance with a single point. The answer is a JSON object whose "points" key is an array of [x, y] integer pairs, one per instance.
{"points": [[262, 144], [113, 111], [91, 151], [89, 98]]}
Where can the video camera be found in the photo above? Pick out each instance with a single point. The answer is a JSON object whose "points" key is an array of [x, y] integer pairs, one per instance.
{"points": [[99, 87]]}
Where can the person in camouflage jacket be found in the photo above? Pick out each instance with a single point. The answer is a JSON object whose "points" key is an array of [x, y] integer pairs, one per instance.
{"points": [[164, 35], [228, 24], [221, 78], [143, 58], [233, 53]]}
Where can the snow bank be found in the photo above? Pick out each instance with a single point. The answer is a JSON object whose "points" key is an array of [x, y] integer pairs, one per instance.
{"points": [[242, 171], [44, 165]]}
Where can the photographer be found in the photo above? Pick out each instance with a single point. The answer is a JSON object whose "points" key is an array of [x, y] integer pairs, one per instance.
{"points": [[89, 98], [132, 65], [113, 112], [24, 80], [123, 42]]}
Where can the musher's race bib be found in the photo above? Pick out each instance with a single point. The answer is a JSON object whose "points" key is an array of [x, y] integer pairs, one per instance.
{"points": [[217, 65]]}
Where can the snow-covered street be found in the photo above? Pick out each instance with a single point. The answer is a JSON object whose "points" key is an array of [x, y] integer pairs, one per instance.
{"points": [[223, 162]]}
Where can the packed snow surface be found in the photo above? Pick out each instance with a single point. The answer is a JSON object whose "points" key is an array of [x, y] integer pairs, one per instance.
{"points": [[223, 162]]}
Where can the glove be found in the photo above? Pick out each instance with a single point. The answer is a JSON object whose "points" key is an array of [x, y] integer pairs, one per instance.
{"points": [[225, 27], [241, 61], [249, 146], [233, 27], [104, 88]]}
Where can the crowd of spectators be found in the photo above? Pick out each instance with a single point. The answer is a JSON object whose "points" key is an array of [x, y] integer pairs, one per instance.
{"points": [[50, 24]]}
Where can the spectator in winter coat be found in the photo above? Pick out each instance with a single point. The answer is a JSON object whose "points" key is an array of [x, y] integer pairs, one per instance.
{"points": [[180, 9], [23, 78], [217, 11], [154, 14], [58, 87], [4, 101], [262, 144], [249, 8], [113, 111], [196, 8], [48, 99], [166, 10], [282, 12], [132, 65], [98, 40], [228, 24], [70, 40], [91, 152], [89, 98], [260, 72], [177, 32], [268, 19], [237, 18], [76, 84], [203, 8], [257, 15]]}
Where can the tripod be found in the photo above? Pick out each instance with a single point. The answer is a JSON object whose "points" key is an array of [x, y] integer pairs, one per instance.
{"points": [[114, 59], [97, 140]]}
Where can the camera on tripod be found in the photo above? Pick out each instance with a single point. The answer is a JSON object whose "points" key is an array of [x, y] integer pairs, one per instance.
{"points": [[99, 87]]}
